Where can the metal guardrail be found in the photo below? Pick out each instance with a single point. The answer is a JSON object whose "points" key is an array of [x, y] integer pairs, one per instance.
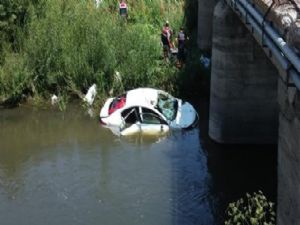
{"points": [[270, 38]]}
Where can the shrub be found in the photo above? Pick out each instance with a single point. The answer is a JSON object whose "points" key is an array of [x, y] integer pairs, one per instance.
{"points": [[65, 46], [254, 209]]}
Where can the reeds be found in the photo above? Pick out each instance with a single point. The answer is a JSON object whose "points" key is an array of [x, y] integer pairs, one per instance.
{"points": [[65, 46]]}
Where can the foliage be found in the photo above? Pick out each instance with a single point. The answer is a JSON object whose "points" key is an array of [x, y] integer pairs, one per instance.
{"points": [[14, 15], [63, 47], [252, 210], [14, 79]]}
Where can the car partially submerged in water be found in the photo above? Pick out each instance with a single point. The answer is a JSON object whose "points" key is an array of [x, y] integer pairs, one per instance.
{"points": [[147, 110]]}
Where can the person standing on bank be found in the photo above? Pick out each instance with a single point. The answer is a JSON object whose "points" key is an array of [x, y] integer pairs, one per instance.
{"points": [[123, 9], [166, 40], [181, 39], [167, 29]]}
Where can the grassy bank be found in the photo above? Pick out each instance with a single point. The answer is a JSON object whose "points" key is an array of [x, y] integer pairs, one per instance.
{"points": [[63, 47]]}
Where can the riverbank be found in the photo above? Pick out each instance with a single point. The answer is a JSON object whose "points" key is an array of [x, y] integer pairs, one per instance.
{"points": [[62, 48]]}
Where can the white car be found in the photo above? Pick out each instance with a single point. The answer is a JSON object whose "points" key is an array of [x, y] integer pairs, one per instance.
{"points": [[148, 111]]}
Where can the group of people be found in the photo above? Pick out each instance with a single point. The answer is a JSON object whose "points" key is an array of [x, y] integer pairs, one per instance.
{"points": [[168, 46], [166, 37]]}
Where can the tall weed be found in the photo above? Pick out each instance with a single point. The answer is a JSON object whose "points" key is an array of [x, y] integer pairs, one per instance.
{"points": [[69, 45]]}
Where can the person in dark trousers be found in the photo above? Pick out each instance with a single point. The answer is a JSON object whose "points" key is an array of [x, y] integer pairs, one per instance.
{"points": [[181, 40], [123, 9], [166, 40]]}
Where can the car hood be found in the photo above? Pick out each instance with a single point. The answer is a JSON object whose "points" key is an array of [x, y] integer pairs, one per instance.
{"points": [[186, 115]]}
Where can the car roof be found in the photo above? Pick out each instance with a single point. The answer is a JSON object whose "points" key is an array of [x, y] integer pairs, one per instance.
{"points": [[142, 97]]}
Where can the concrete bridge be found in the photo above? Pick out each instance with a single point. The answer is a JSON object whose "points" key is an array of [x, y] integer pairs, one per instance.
{"points": [[255, 83]]}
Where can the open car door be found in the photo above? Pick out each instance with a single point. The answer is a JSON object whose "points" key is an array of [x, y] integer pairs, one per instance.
{"points": [[131, 121], [152, 123]]}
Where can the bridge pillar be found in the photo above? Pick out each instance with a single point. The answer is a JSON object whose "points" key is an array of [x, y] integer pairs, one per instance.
{"points": [[243, 93], [288, 198], [205, 15]]}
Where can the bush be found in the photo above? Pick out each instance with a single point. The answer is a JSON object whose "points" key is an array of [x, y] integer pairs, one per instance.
{"points": [[15, 79], [254, 209], [68, 45]]}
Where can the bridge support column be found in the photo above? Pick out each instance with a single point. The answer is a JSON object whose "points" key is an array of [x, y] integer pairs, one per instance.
{"points": [[205, 15], [243, 94], [288, 200]]}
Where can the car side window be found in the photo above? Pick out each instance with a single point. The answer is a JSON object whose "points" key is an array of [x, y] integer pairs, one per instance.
{"points": [[150, 117], [130, 115]]}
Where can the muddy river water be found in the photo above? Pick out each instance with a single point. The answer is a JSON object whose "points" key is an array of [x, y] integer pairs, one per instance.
{"points": [[63, 168]]}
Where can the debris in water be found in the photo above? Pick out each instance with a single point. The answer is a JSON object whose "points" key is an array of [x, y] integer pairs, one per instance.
{"points": [[91, 94], [54, 99], [205, 61]]}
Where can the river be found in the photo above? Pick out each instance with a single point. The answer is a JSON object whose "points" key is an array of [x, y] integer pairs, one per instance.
{"points": [[63, 168]]}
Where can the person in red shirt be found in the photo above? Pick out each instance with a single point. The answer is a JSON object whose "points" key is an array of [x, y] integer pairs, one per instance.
{"points": [[168, 33], [123, 9], [166, 40]]}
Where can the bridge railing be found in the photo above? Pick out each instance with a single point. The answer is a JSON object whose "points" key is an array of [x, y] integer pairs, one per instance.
{"points": [[268, 37]]}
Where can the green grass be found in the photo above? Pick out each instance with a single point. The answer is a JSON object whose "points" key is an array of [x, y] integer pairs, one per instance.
{"points": [[66, 46]]}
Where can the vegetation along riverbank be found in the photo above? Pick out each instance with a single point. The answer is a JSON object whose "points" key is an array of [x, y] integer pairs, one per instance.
{"points": [[63, 47]]}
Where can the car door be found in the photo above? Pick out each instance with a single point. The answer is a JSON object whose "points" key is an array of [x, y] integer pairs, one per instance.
{"points": [[130, 121], [151, 122]]}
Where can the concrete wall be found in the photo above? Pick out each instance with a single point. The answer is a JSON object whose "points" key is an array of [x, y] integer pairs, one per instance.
{"points": [[243, 96], [205, 14], [288, 200]]}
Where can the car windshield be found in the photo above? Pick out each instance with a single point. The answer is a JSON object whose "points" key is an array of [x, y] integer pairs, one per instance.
{"points": [[167, 105]]}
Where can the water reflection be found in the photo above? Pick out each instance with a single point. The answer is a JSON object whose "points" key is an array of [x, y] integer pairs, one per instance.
{"points": [[236, 169], [64, 168], [138, 137], [191, 181], [26, 136]]}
